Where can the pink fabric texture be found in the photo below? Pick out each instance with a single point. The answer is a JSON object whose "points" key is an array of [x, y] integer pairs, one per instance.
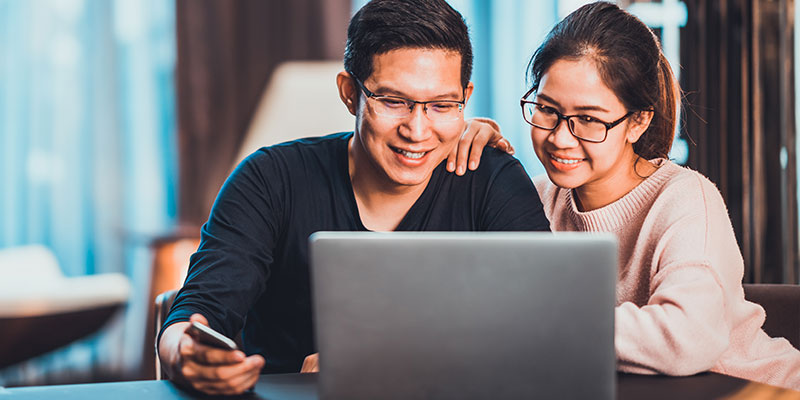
{"points": [[680, 303]]}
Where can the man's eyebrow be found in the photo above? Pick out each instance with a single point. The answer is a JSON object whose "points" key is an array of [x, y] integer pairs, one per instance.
{"points": [[578, 108], [388, 91]]}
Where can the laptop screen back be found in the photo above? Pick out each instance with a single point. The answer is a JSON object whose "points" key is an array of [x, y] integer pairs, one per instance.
{"points": [[464, 315]]}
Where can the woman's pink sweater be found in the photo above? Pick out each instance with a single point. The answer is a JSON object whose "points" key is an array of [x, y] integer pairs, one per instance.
{"points": [[680, 303]]}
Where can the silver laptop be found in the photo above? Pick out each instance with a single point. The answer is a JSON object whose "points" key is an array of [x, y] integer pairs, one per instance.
{"points": [[464, 315]]}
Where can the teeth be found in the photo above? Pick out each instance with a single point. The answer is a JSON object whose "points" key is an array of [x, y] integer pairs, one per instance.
{"points": [[410, 154], [564, 161]]}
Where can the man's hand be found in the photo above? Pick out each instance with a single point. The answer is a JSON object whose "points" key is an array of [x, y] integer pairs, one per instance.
{"points": [[310, 364], [204, 368], [478, 133]]}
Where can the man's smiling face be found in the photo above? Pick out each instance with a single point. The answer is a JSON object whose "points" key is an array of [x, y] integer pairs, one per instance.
{"points": [[405, 150]]}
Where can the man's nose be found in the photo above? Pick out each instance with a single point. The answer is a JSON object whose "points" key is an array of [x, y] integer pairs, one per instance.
{"points": [[417, 127]]}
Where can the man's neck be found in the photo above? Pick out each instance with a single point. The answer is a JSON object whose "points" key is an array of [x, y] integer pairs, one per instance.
{"points": [[382, 204]]}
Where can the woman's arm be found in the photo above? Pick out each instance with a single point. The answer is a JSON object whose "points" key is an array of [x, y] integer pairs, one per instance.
{"points": [[682, 330], [695, 266]]}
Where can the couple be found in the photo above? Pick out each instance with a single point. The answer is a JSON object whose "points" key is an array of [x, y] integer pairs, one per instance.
{"points": [[603, 109]]}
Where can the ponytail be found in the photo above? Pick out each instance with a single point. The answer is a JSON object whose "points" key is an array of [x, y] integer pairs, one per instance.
{"points": [[657, 139]]}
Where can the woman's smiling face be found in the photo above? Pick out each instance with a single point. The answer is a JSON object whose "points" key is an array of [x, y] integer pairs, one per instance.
{"points": [[576, 87]]}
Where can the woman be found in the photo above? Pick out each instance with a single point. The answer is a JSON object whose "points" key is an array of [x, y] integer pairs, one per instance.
{"points": [[603, 109]]}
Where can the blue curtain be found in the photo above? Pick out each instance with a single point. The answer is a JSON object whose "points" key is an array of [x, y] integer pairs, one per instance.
{"points": [[87, 145]]}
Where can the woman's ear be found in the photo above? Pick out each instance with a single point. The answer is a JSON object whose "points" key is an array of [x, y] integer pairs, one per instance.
{"points": [[639, 122], [348, 91]]}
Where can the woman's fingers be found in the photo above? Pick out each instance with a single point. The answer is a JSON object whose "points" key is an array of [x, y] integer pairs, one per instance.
{"points": [[479, 133], [465, 143]]}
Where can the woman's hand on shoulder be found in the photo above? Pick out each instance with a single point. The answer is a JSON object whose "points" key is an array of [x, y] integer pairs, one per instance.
{"points": [[478, 133]]}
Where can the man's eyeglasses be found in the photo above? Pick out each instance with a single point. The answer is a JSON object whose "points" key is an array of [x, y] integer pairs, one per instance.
{"points": [[583, 127], [398, 107]]}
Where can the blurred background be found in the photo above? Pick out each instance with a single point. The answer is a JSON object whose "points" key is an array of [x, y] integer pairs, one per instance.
{"points": [[120, 119]]}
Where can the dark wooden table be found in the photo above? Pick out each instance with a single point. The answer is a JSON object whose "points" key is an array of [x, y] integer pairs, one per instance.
{"points": [[304, 387]]}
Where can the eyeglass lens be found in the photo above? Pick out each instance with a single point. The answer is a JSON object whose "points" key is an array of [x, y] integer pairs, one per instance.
{"points": [[398, 108], [547, 118]]}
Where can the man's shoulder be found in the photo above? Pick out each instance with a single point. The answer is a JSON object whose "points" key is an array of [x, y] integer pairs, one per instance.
{"points": [[298, 150], [312, 143], [494, 161], [499, 195], [295, 160], [497, 171], [493, 155]]}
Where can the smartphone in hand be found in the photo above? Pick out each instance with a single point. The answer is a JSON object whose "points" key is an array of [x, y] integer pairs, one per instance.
{"points": [[210, 337]]}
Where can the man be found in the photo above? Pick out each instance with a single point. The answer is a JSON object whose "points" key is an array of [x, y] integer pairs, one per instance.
{"points": [[408, 65]]}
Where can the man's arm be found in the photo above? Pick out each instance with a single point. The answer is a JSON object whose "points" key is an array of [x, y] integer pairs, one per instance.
{"points": [[226, 276]]}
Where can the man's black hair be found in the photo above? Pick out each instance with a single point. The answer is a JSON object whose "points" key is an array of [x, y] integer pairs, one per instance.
{"points": [[385, 25]]}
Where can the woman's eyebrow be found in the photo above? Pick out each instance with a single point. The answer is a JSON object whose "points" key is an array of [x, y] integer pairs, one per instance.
{"points": [[592, 108], [578, 108], [548, 99]]}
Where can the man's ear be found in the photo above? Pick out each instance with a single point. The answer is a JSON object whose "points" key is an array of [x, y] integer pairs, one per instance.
{"points": [[348, 91], [468, 92], [639, 122]]}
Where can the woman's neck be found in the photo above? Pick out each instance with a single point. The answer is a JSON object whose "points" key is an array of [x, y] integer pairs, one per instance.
{"points": [[601, 193]]}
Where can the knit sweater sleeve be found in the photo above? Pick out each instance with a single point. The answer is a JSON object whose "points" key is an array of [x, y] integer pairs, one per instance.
{"points": [[683, 328]]}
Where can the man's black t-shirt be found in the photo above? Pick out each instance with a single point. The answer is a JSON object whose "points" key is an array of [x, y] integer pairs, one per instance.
{"points": [[251, 270]]}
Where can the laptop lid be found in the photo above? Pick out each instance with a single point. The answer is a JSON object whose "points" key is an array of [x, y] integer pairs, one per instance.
{"points": [[464, 315]]}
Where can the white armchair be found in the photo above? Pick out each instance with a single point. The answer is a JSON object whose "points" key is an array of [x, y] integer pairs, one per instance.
{"points": [[42, 310]]}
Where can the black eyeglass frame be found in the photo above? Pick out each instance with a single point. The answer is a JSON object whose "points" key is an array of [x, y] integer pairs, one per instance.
{"points": [[608, 125], [414, 103]]}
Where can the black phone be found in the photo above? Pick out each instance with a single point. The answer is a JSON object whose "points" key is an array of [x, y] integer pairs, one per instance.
{"points": [[210, 337]]}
